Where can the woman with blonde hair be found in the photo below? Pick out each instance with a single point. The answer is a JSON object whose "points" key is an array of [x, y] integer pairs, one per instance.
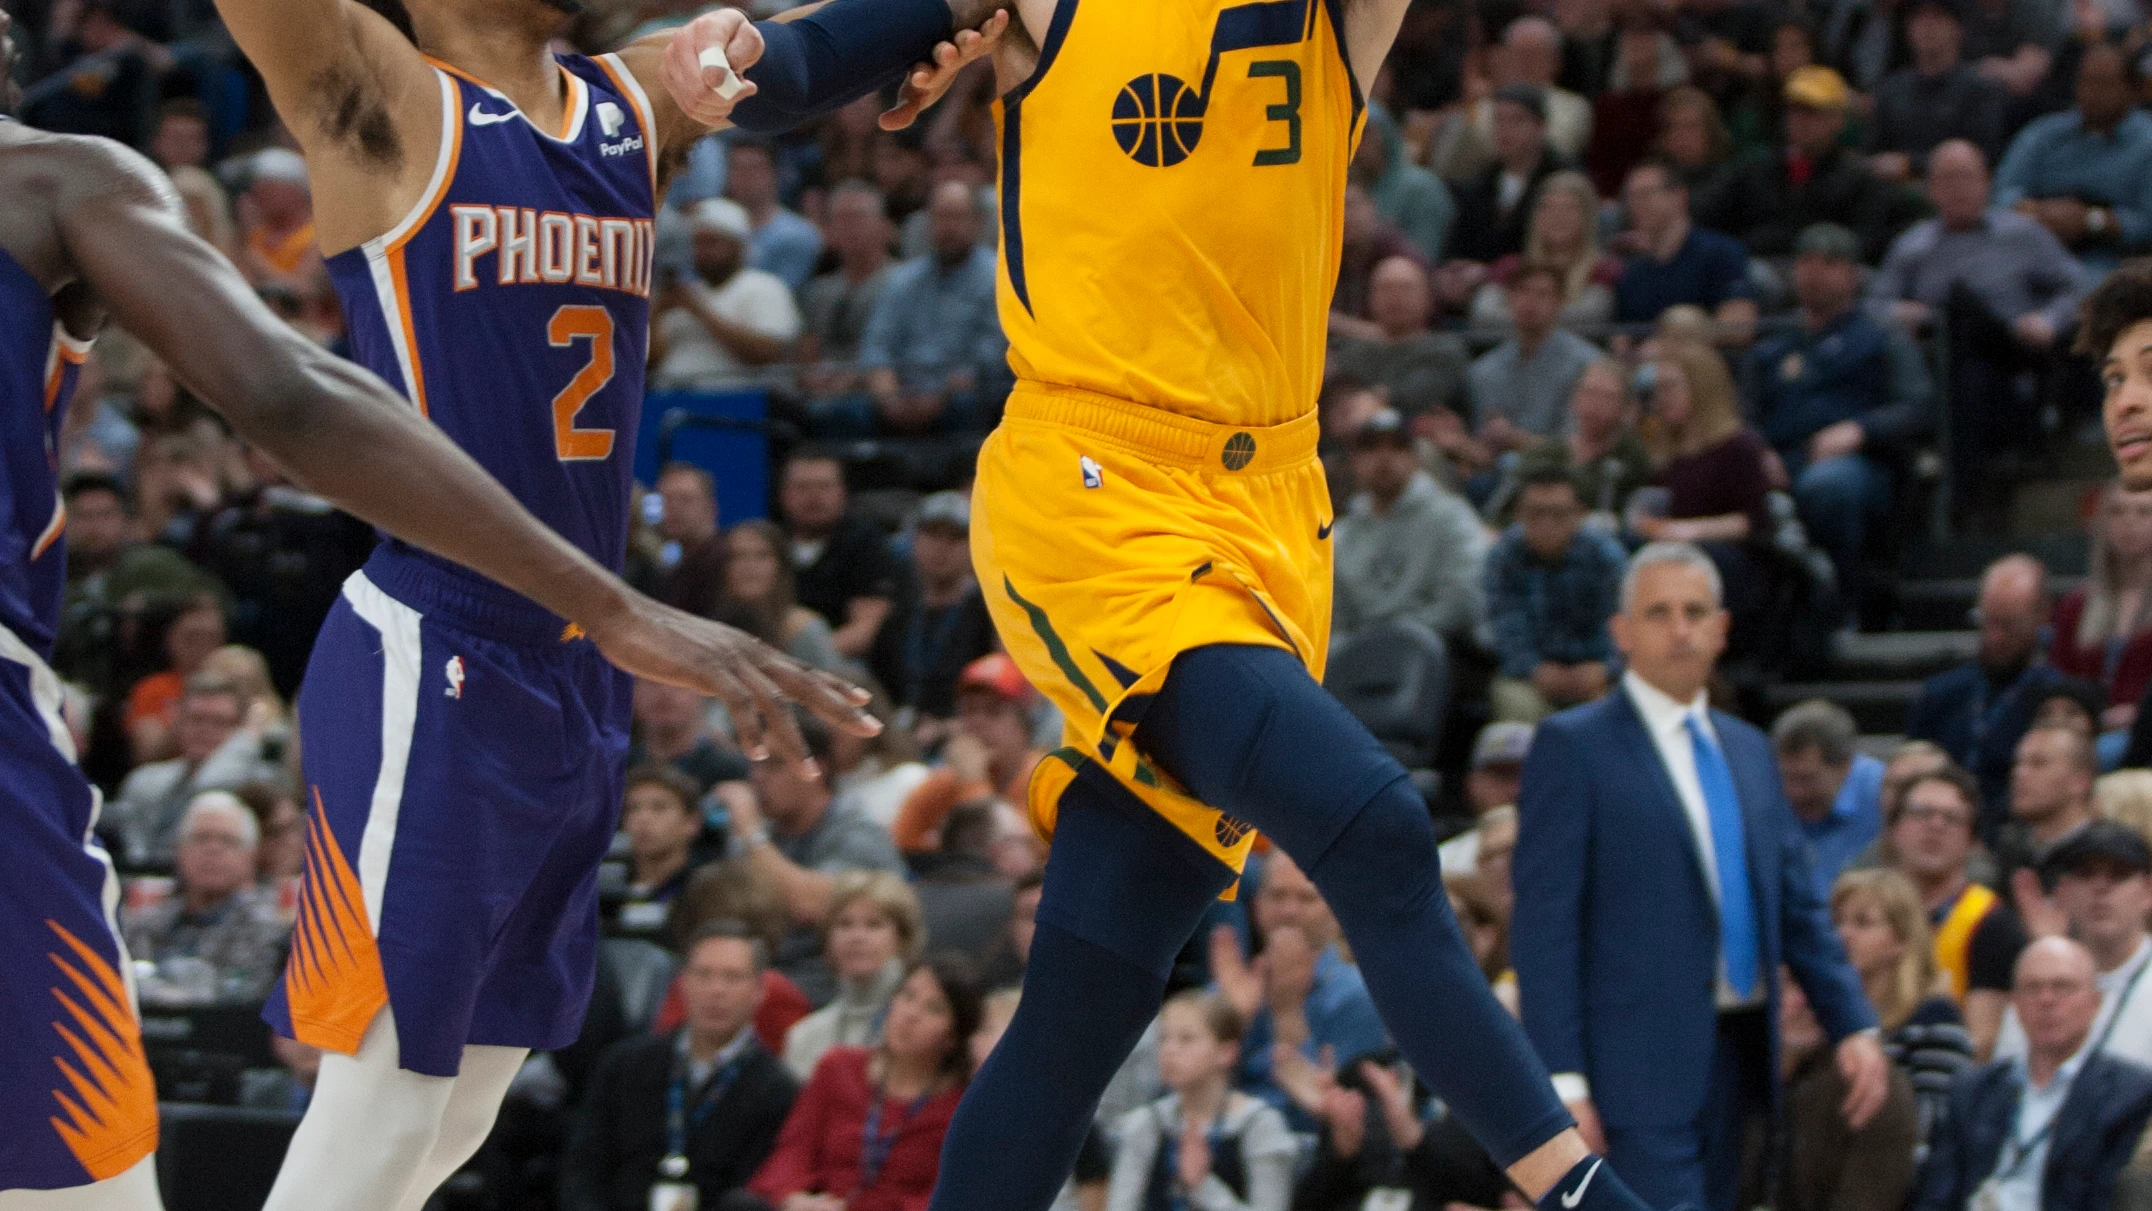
{"points": [[1563, 232], [1713, 479], [2103, 630], [2125, 797], [875, 928], [1884, 930]]}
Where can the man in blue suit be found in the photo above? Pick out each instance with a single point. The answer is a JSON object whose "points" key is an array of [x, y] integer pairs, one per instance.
{"points": [[1661, 881]]}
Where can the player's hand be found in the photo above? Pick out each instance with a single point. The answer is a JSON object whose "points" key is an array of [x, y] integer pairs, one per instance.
{"points": [[1867, 1075], [694, 86], [926, 83], [753, 680]]}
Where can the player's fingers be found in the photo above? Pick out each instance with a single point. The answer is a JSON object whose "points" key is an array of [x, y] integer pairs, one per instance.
{"points": [[740, 708], [781, 732], [744, 48], [829, 698]]}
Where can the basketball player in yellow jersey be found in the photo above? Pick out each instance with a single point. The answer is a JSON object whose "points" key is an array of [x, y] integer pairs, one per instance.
{"points": [[1151, 527]]}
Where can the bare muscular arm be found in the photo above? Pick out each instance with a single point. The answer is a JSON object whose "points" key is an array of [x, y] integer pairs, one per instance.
{"points": [[343, 433], [359, 98]]}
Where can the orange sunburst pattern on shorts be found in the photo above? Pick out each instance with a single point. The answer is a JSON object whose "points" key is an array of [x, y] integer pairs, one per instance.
{"points": [[108, 1109], [334, 982]]}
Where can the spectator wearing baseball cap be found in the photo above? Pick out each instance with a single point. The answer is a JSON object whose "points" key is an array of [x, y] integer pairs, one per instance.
{"points": [[1406, 548], [948, 627], [1812, 178], [989, 755], [1490, 786], [2100, 892], [724, 321]]}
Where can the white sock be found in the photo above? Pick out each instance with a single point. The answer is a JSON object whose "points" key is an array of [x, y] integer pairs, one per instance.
{"points": [[377, 1136]]}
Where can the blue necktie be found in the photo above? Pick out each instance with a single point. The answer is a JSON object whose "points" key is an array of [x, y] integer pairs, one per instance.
{"points": [[1737, 911]]}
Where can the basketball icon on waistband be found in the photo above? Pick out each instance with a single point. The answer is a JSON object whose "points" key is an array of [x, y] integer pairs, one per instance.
{"points": [[1239, 451]]}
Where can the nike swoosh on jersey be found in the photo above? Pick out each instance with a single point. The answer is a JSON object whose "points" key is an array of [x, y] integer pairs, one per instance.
{"points": [[1323, 531], [1571, 1199], [480, 117]]}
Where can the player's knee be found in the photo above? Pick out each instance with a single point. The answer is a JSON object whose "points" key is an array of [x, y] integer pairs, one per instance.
{"points": [[1387, 848]]}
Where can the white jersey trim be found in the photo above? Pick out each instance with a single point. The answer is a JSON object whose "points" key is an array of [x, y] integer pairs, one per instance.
{"points": [[643, 114], [443, 162], [401, 656]]}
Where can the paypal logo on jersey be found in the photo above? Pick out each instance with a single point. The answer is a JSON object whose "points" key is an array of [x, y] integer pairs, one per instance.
{"points": [[611, 118]]}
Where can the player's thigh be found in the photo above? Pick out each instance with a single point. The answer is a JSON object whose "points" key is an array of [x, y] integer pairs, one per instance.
{"points": [[1248, 730], [77, 1104], [1123, 878]]}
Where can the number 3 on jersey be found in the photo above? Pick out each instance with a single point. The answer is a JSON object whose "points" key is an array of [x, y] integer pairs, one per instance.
{"points": [[569, 325]]}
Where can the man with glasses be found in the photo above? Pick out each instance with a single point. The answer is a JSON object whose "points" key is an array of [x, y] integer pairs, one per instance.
{"points": [[2051, 1129], [1977, 936], [1980, 710]]}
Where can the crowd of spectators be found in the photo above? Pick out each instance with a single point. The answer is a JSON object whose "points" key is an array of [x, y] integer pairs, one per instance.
{"points": [[1755, 277]]}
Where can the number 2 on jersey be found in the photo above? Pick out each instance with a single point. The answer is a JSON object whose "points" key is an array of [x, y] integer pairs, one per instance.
{"points": [[569, 325]]}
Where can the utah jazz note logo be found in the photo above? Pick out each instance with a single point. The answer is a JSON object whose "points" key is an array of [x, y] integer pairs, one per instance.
{"points": [[1158, 118]]}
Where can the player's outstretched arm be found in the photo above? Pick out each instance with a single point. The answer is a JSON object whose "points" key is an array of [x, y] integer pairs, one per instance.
{"points": [[1370, 31], [809, 61], [345, 434], [337, 71]]}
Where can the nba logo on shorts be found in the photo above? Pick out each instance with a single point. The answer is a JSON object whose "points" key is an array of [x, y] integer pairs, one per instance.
{"points": [[1093, 475], [610, 118], [455, 676]]}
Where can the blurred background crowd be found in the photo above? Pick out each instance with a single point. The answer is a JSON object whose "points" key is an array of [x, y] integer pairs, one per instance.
{"points": [[1792, 280]]}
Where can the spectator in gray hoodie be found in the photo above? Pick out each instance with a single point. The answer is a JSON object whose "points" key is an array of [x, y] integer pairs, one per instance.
{"points": [[1406, 547]]}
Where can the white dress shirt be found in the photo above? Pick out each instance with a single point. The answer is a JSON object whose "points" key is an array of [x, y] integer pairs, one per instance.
{"points": [[1666, 720]]}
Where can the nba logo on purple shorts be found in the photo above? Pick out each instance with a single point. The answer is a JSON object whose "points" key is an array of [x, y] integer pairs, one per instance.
{"points": [[463, 758]]}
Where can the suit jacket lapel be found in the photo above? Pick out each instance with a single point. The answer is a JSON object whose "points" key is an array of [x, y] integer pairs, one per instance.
{"points": [[1644, 751]]}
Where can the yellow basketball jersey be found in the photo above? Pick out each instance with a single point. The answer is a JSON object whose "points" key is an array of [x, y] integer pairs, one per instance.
{"points": [[1172, 200]]}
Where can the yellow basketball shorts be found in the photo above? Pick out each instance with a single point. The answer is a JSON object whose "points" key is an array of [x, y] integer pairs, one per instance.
{"points": [[1111, 537]]}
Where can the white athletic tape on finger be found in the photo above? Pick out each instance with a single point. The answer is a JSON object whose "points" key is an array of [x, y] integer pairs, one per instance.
{"points": [[714, 56]]}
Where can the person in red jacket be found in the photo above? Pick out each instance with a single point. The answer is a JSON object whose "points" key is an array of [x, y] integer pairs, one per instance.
{"points": [[866, 1132]]}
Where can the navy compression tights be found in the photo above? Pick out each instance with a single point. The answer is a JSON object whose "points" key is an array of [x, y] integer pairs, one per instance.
{"points": [[1248, 731]]}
